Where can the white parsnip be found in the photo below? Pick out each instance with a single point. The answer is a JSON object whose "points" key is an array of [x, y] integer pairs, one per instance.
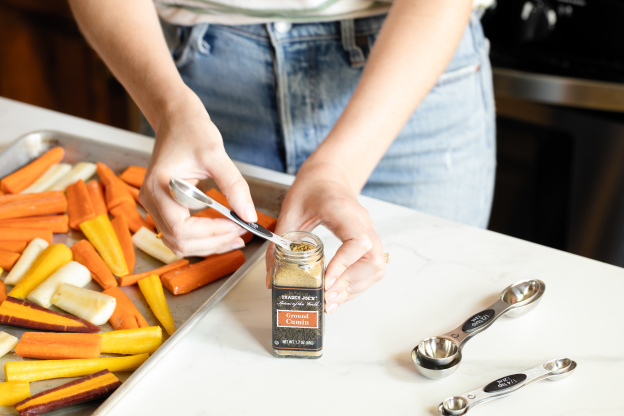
{"points": [[48, 178], [89, 305], [82, 170], [73, 273], [7, 343], [145, 240], [30, 254]]}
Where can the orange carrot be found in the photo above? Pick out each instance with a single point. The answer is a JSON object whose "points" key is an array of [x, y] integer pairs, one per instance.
{"points": [[79, 205], [32, 205], [8, 259], [21, 179], [3, 294], [134, 175], [105, 173], [96, 192], [85, 254], [150, 221], [24, 234], [126, 315], [132, 216], [54, 223], [58, 346], [131, 279], [134, 192], [117, 193], [14, 246], [125, 240], [199, 274]]}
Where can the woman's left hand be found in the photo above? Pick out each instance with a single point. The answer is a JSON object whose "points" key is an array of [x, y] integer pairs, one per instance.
{"points": [[321, 194]]}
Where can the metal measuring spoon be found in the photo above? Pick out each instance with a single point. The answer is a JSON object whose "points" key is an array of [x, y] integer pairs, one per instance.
{"points": [[552, 370], [439, 356], [189, 196]]}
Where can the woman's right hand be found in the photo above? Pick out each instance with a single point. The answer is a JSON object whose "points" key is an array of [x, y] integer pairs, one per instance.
{"points": [[189, 146]]}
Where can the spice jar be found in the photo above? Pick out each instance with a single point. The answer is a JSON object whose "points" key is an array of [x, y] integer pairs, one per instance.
{"points": [[298, 280]]}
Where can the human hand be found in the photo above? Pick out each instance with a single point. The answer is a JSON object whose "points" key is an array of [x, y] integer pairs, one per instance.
{"points": [[321, 194], [189, 146]]}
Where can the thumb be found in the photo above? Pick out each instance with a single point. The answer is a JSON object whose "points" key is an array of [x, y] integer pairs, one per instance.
{"points": [[235, 188]]}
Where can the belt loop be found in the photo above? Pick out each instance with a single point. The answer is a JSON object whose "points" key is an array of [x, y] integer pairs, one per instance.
{"points": [[196, 39], [347, 31]]}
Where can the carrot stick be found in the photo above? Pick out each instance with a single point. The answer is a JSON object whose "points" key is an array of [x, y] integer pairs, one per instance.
{"points": [[50, 260], [54, 223], [14, 246], [58, 346], [24, 234], [25, 314], [134, 192], [92, 387], [49, 369], [32, 205], [3, 294], [12, 392], [96, 192], [152, 289], [125, 240], [134, 219], [21, 179], [8, 259], [126, 315], [134, 175], [100, 233], [131, 279], [79, 205], [132, 341], [85, 254], [199, 274], [117, 193], [105, 173]]}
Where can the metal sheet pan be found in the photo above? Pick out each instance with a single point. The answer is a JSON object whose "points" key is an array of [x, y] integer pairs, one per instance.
{"points": [[186, 309]]}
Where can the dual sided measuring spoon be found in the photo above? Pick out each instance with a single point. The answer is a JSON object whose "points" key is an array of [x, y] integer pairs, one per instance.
{"points": [[189, 196], [552, 370], [439, 356]]}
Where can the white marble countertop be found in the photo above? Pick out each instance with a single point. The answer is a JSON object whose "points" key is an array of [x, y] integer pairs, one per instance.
{"points": [[439, 274]]}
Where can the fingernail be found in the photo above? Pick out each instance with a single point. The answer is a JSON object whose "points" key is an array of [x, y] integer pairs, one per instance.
{"points": [[250, 213], [332, 308], [235, 229], [242, 231], [237, 244], [330, 283], [331, 295]]}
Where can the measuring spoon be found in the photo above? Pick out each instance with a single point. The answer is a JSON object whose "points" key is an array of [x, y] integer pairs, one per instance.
{"points": [[552, 370], [189, 196], [439, 356]]}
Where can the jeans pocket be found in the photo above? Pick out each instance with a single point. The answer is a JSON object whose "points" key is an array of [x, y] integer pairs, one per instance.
{"points": [[185, 42], [456, 75]]}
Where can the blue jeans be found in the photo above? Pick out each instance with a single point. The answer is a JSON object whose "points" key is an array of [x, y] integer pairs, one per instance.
{"points": [[275, 91]]}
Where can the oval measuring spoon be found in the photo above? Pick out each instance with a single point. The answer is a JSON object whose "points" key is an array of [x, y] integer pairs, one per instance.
{"points": [[440, 355], [189, 196], [552, 370]]}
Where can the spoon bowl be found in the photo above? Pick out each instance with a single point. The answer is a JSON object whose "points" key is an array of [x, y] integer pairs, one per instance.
{"points": [[439, 350], [522, 296], [430, 370], [453, 406], [560, 368], [188, 195]]}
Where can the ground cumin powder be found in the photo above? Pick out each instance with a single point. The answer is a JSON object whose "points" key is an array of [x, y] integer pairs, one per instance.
{"points": [[298, 276]]}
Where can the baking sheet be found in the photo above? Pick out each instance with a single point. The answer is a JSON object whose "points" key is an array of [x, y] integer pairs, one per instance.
{"points": [[186, 309]]}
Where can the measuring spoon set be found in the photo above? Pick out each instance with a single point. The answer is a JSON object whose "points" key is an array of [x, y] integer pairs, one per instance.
{"points": [[439, 356]]}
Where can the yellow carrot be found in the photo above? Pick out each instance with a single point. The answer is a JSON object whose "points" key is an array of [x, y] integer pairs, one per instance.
{"points": [[152, 290], [12, 392], [50, 260], [101, 234], [49, 369], [132, 341]]}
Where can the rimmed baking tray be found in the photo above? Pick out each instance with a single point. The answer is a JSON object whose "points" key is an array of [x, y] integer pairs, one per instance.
{"points": [[186, 309]]}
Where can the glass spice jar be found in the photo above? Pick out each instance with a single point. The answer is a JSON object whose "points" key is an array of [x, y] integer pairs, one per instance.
{"points": [[298, 279]]}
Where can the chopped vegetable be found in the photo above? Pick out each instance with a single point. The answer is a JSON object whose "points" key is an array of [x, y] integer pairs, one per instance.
{"points": [[48, 178], [117, 193], [8, 259], [100, 233], [193, 276], [32, 205], [126, 315], [92, 387], [3, 294], [125, 240], [54, 223], [96, 192], [133, 278], [7, 343], [152, 290], [85, 254], [134, 175], [132, 341], [134, 219], [25, 262], [105, 173], [12, 392], [59, 346], [14, 246], [24, 234], [134, 192], [147, 241], [49, 261], [17, 312], [89, 305], [79, 205], [82, 170], [73, 273], [49, 369], [21, 179]]}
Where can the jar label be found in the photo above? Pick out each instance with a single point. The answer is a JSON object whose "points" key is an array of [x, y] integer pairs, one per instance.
{"points": [[297, 318]]}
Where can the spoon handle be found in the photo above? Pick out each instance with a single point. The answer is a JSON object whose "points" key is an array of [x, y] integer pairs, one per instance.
{"points": [[502, 387], [477, 323]]}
